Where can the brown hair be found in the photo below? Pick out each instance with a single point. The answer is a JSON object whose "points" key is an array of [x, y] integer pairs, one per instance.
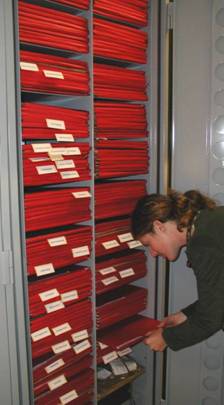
{"points": [[174, 206]]}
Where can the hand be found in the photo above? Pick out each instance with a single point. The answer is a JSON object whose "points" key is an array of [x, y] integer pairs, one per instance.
{"points": [[173, 320], [155, 340]]}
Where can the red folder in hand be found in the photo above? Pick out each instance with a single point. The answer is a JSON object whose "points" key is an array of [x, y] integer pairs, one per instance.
{"points": [[134, 11]]}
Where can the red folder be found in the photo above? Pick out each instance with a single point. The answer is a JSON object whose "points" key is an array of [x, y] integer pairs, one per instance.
{"points": [[118, 41], [40, 121], [120, 120], [112, 82], [50, 74], [62, 163], [52, 28], [83, 4], [133, 12], [57, 207], [117, 198], [120, 158], [58, 248], [68, 287]]}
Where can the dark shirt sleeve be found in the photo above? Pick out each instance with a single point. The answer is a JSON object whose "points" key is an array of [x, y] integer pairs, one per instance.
{"points": [[205, 316], [189, 309]]}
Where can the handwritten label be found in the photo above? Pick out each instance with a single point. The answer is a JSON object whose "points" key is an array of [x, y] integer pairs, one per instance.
{"points": [[82, 334], [54, 366], [48, 169], [64, 137], [41, 147], [65, 164], [107, 270], [80, 347], [59, 330], [60, 240], [54, 306], [53, 74], [44, 269], [40, 334], [55, 124], [70, 396], [57, 382], [80, 251], [69, 296], [110, 280], [29, 66], [110, 244], [70, 174], [49, 294], [109, 357], [125, 237], [61, 347], [126, 273], [81, 194], [133, 244]]}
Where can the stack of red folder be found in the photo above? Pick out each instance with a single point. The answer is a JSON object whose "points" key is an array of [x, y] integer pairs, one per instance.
{"points": [[78, 391], [57, 207], [40, 121], [55, 163], [120, 304], [118, 41], [114, 236], [120, 120], [133, 12], [50, 74], [113, 82], [83, 4], [52, 28], [68, 288], [58, 248], [119, 270], [58, 330], [117, 198], [120, 158]]}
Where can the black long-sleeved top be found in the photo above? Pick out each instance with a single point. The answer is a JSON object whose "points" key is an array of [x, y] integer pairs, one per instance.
{"points": [[205, 252]]}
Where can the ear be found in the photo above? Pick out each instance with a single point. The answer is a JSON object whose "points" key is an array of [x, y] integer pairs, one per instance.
{"points": [[158, 226]]}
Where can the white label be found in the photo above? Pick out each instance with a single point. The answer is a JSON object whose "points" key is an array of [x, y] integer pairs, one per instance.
{"points": [[102, 345], [54, 306], [56, 124], [80, 251], [60, 240], [107, 270], [65, 164], [53, 74], [41, 147], [110, 244], [61, 347], [134, 244], [54, 366], [125, 237], [54, 156], [64, 137], [39, 159], [82, 334], [47, 295], [57, 382], [80, 347], [81, 194], [40, 334], [109, 357], [70, 174], [29, 66], [69, 296], [126, 273], [59, 330], [124, 352], [70, 396], [44, 269], [110, 280], [71, 151], [46, 169]]}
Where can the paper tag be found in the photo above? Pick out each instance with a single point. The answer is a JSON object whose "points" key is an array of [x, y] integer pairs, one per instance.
{"points": [[109, 357], [70, 174], [54, 366], [56, 124], [110, 280], [102, 345], [46, 169], [49, 294], [40, 334], [59, 330], [80, 347], [81, 194], [80, 251], [71, 151], [44, 269], [60, 240], [64, 137], [133, 244], [82, 334], [70, 396], [107, 270], [65, 164], [69, 296], [124, 352], [29, 66], [54, 306], [110, 244], [54, 156], [61, 347], [39, 159], [57, 382], [53, 74], [127, 273], [41, 147], [125, 237]]}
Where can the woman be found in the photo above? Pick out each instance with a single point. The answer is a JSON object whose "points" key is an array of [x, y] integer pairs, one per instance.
{"points": [[167, 223]]}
